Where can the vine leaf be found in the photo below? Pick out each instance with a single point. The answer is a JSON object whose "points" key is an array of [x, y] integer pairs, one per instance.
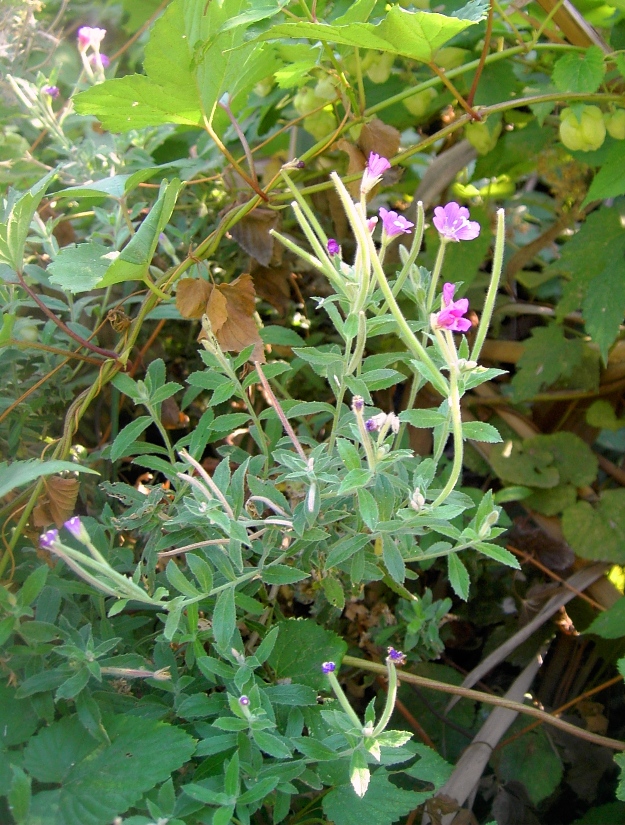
{"points": [[580, 72]]}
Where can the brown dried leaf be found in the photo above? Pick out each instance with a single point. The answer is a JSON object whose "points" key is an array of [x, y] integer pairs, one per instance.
{"points": [[356, 164], [273, 284], [252, 234], [380, 138], [192, 296], [230, 311], [57, 504], [172, 417]]}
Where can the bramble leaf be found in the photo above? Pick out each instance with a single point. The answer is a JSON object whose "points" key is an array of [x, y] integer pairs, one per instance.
{"points": [[580, 71]]}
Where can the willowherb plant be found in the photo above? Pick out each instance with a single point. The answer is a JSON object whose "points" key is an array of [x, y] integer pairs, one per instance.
{"points": [[328, 505]]}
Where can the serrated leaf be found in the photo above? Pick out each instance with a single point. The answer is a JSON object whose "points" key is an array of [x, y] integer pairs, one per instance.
{"points": [[18, 473], [416, 35], [609, 182], [500, 554], [528, 464], [201, 570], [423, 418], [580, 72], [611, 625], [126, 438], [480, 431], [383, 804], [604, 306], [359, 774], [302, 647], [532, 760], [271, 744], [458, 576], [547, 357], [78, 268], [282, 574], [100, 782], [179, 581], [368, 508]]}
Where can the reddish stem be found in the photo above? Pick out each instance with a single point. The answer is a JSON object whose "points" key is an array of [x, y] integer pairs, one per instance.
{"points": [[480, 67]]}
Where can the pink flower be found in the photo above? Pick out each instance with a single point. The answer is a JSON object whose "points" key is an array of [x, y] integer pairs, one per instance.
{"points": [[53, 91], [102, 59], [47, 539], [450, 316], [372, 223], [452, 222], [88, 36], [333, 247], [394, 224], [376, 167]]}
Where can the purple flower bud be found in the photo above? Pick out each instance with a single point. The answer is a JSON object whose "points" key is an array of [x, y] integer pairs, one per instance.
{"points": [[77, 529], [370, 425], [100, 59], [301, 164], [244, 701], [358, 402], [53, 91], [395, 656], [372, 223], [394, 224], [47, 539], [333, 247], [376, 167], [328, 667], [453, 224]]}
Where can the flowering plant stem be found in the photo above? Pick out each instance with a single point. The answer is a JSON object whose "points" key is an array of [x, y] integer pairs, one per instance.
{"points": [[391, 696], [343, 700], [491, 295], [438, 265]]}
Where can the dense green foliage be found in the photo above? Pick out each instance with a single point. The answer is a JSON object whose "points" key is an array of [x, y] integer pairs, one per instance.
{"points": [[328, 476]]}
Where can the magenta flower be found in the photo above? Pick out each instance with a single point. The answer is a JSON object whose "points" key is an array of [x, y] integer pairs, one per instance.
{"points": [[328, 667], [453, 224], [100, 59], [450, 316], [53, 91], [77, 529], [394, 224], [47, 539], [333, 247], [244, 701], [90, 37], [376, 167], [372, 223]]}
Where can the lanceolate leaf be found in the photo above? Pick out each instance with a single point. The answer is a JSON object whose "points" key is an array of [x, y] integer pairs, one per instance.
{"points": [[19, 473], [16, 223]]}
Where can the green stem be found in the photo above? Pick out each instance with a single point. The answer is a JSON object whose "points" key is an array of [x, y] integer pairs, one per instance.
{"points": [[391, 696], [491, 295], [438, 265], [343, 700], [362, 102], [414, 251], [454, 408]]}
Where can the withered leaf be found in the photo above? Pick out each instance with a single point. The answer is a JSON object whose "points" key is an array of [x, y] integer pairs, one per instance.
{"points": [[273, 284], [230, 310], [57, 503], [380, 138], [252, 234], [357, 162], [192, 296]]}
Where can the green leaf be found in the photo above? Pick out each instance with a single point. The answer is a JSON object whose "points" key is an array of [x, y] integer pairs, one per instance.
{"points": [[580, 72], [19, 796], [500, 554], [79, 268], [353, 480], [293, 695], [532, 760], [458, 576], [100, 782], [609, 182], [201, 570], [133, 261], [383, 804], [302, 647], [524, 463], [368, 508], [423, 418], [604, 306], [480, 431], [393, 559], [416, 35], [33, 586], [601, 414], [611, 623], [344, 549], [270, 744], [16, 223], [126, 438], [282, 574], [114, 187], [597, 533], [18, 720], [430, 768], [179, 581], [18, 473], [359, 774], [547, 357], [224, 618]]}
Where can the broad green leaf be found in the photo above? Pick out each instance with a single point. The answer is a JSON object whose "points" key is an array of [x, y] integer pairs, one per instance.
{"points": [[580, 71], [79, 268], [359, 773], [383, 804], [604, 305], [611, 623], [609, 182], [458, 576], [597, 533], [601, 414], [547, 357], [532, 760], [18, 473], [416, 35], [430, 768], [133, 261], [98, 782], [293, 695], [574, 459], [20, 795], [344, 549], [18, 720], [368, 508], [528, 465], [16, 222], [300, 650]]}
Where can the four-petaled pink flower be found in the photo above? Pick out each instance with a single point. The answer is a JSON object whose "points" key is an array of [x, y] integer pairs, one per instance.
{"points": [[376, 167], [394, 224], [453, 224], [88, 36], [450, 316]]}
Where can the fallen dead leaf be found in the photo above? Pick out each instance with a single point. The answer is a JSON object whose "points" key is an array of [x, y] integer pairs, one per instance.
{"points": [[192, 296], [252, 233], [377, 136], [273, 284], [230, 310], [57, 502]]}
